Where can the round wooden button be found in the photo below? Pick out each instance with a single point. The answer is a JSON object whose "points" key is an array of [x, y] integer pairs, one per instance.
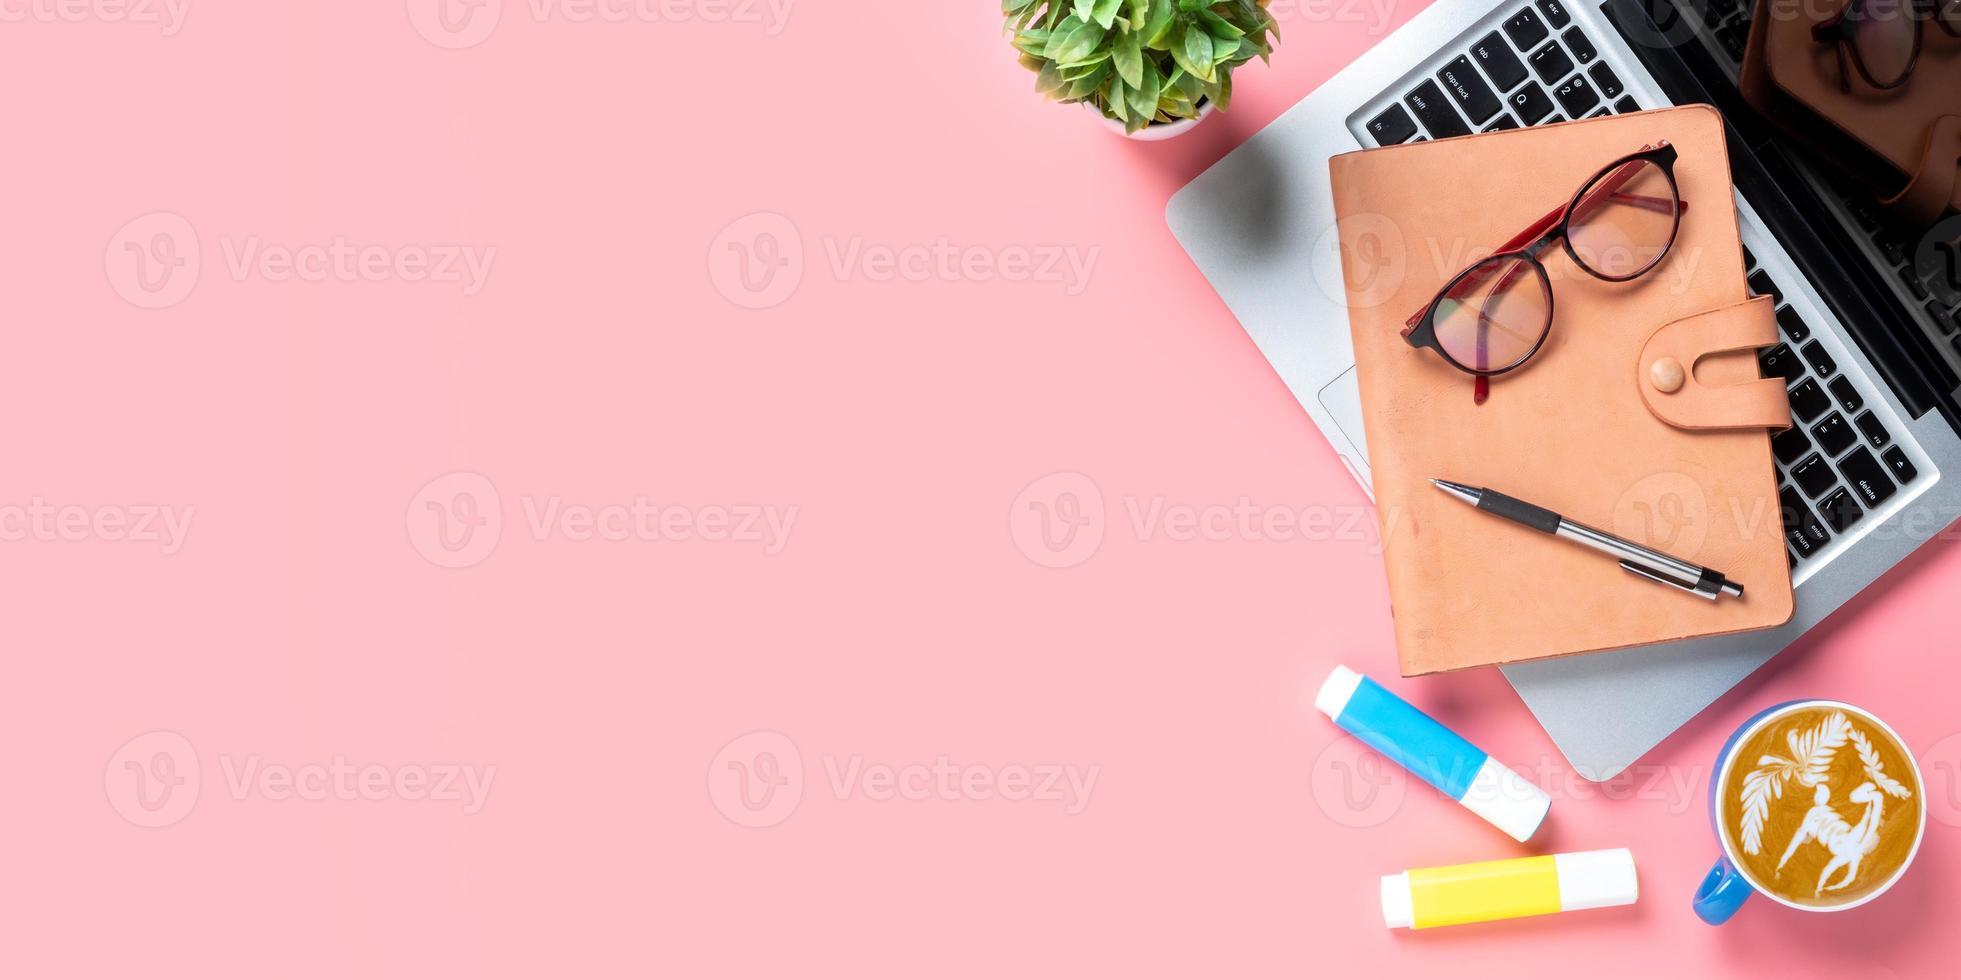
{"points": [[1667, 375]]}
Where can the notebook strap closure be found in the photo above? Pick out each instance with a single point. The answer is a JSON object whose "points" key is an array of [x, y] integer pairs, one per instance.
{"points": [[1666, 375]]}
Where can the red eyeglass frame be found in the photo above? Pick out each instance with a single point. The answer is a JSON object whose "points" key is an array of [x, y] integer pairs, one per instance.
{"points": [[1420, 331]]}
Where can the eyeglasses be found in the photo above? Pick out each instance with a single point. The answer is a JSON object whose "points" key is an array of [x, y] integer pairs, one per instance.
{"points": [[1883, 38], [1496, 314]]}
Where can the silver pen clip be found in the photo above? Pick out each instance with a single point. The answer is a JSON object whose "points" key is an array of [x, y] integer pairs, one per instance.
{"points": [[1710, 593]]}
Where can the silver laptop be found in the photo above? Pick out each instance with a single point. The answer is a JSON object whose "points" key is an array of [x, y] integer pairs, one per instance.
{"points": [[1861, 476]]}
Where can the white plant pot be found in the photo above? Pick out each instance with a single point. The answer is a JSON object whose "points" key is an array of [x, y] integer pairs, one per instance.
{"points": [[1156, 131]]}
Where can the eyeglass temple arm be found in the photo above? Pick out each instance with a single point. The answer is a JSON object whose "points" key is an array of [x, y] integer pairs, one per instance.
{"points": [[1832, 32]]}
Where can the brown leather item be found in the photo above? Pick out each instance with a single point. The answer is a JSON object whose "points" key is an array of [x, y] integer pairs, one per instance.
{"points": [[1908, 137], [1573, 430], [1667, 378]]}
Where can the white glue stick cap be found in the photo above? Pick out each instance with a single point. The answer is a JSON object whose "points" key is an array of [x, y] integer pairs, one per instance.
{"points": [[1398, 905], [1512, 804], [1596, 879], [1336, 690]]}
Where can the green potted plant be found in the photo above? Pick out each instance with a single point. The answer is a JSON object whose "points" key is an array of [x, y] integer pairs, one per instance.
{"points": [[1149, 68]]}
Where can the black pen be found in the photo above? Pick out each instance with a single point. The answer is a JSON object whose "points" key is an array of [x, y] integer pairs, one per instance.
{"points": [[1639, 559]]}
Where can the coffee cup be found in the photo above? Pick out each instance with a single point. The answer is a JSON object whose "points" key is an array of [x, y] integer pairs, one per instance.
{"points": [[1817, 805]]}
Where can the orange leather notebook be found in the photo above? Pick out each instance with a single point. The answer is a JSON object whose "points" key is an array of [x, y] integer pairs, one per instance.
{"points": [[1582, 428]]}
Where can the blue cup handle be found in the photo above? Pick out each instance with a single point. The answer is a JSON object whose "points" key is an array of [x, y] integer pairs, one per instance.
{"points": [[1721, 893]]}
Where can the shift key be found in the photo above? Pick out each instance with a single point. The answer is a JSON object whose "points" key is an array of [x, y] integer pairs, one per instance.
{"points": [[1468, 88], [1436, 114]]}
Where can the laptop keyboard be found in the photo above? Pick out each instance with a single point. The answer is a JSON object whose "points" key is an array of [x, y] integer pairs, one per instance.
{"points": [[1537, 68], [1838, 462]]}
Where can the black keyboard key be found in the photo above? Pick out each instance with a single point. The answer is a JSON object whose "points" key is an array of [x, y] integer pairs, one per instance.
{"points": [[1848, 396], [1627, 105], [1749, 258], [1910, 277], [1834, 435], [1603, 112], [1814, 475], [1735, 39], [1793, 325], [1531, 103], [1821, 361], [1781, 362], [1503, 123], [1526, 29], [1582, 47], [1894, 249], [1874, 429], [1436, 114], [1902, 467], [1498, 61], [1760, 285], [1801, 528], [1867, 478], [1556, 13], [1464, 84], [1392, 127], [1865, 213], [1576, 96], [1606, 81], [1840, 510], [1808, 400], [1719, 10], [1790, 445], [1551, 63]]}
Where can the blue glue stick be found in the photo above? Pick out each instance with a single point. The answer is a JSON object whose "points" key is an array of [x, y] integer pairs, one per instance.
{"points": [[1433, 753]]}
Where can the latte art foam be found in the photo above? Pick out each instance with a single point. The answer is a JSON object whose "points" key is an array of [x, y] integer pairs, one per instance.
{"points": [[1822, 806]]}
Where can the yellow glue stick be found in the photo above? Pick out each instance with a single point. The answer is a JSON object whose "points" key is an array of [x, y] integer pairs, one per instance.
{"points": [[1512, 889]]}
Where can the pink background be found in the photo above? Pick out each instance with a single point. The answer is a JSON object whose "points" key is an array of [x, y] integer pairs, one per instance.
{"points": [[907, 615]]}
